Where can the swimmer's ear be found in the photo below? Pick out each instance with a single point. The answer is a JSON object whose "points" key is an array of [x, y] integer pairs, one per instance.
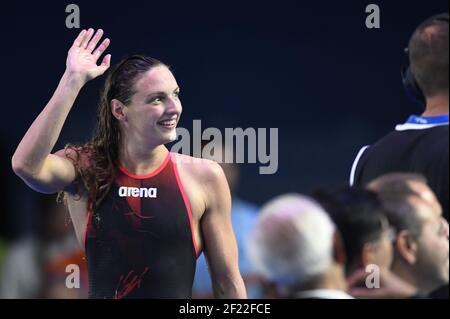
{"points": [[117, 109]]}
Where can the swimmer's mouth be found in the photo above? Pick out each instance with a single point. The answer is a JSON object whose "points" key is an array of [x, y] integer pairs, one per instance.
{"points": [[168, 123]]}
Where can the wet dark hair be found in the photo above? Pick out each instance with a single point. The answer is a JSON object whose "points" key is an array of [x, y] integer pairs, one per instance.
{"points": [[102, 151]]}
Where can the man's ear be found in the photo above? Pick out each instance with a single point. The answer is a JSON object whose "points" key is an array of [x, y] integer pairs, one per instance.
{"points": [[406, 247], [118, 110], [338, 249]]}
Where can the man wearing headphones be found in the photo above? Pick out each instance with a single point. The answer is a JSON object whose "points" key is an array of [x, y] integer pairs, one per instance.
{"points": [[421, 144]]}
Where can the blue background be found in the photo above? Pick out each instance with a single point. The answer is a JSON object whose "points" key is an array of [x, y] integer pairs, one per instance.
{"points": [[310, 68]]}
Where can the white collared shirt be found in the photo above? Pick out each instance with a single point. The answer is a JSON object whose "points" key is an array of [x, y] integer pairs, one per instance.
{"points": [[323, 294]]}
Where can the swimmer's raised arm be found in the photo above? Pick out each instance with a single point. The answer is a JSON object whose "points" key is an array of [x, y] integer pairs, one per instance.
{"points": [[32, 160]]}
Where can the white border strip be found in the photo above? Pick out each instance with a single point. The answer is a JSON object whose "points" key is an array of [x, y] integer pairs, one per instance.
{"points": [[355, 164], [413, 126]]}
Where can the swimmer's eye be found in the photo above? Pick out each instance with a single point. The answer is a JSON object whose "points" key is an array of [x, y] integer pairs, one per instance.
{"points": [[156, 100]]}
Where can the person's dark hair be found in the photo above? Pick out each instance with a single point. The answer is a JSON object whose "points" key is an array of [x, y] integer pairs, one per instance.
{"points": [[102, 151], [429, 56], [357, 214], [402, 214], [398, 183], [394, 190]]}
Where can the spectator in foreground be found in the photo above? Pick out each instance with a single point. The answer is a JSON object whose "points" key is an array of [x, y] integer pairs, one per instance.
{"points": [[296, 246]]}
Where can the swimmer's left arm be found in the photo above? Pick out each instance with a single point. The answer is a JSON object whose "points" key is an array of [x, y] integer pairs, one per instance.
{"points": [[218, 236]]}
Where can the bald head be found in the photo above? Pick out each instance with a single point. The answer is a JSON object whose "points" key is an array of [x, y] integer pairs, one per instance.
{"points": [[292, 242]]}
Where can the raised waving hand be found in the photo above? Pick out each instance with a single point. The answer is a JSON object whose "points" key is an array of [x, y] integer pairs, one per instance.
{"points": [[84, 54]]}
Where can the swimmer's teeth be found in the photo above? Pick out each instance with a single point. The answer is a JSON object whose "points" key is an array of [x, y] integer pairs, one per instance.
{"points": [[168, 123]]}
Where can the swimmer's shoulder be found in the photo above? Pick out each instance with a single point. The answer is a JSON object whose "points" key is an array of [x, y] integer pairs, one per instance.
{"points": [[202, 170]]}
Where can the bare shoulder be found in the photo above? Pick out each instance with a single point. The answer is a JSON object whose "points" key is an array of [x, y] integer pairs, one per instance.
{"points": [[204, 171], [207, 177]]}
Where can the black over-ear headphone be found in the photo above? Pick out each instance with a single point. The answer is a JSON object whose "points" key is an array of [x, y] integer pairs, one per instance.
{"points": [[409, 82]]}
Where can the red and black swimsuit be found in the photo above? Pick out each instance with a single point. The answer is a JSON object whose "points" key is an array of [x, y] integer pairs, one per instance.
{"points": [[140, 242]]}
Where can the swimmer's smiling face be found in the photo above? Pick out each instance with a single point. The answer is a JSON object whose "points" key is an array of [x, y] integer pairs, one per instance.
{"points": [[155, 109]]}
